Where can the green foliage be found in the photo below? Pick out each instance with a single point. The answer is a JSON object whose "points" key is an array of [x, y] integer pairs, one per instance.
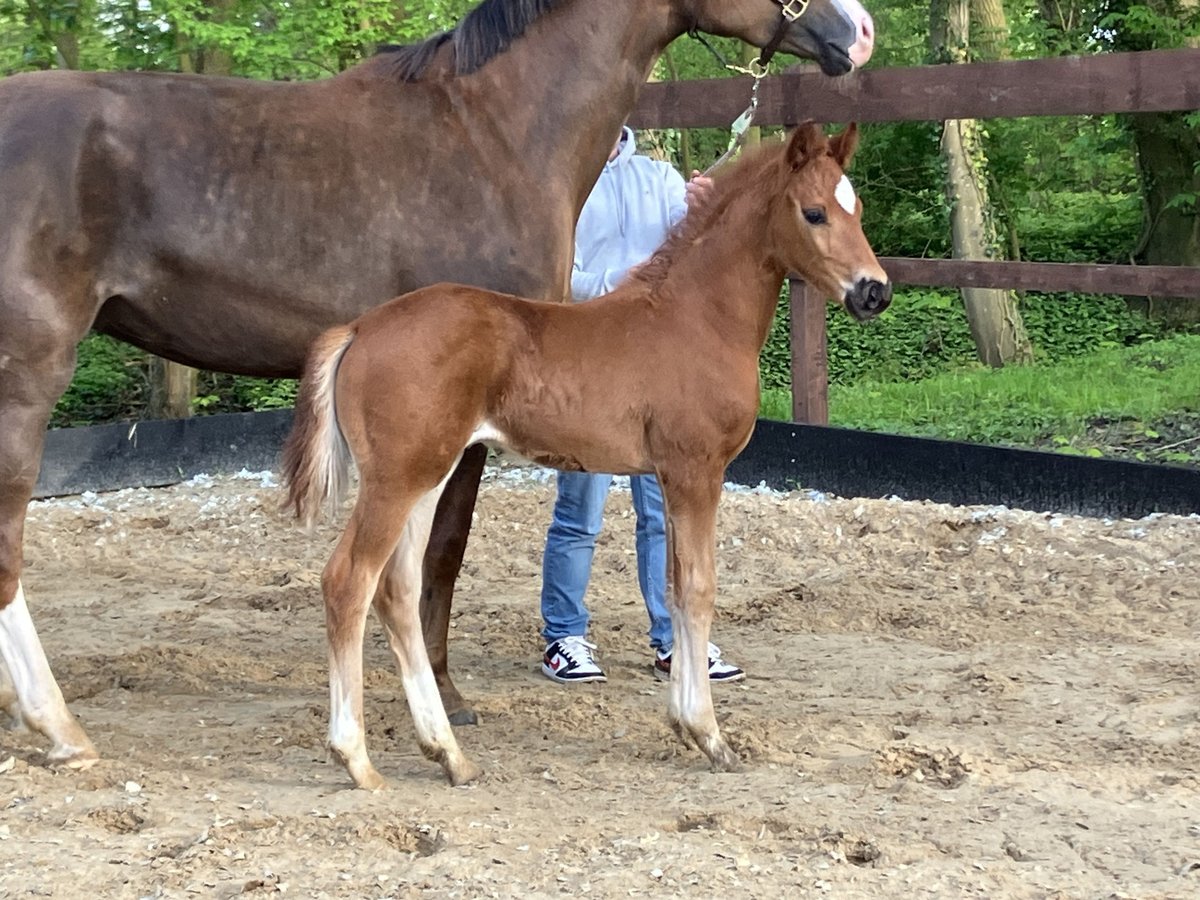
{"points": [[218, 393], [1159, 24], [924, 333], [1138, 402], [110, 384], [1029, 404]]}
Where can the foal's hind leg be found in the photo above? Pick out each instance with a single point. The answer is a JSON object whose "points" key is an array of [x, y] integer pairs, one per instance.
{"points": [[379, 523], [37, 356], [692, 513], [396, 603], [443, 559]]}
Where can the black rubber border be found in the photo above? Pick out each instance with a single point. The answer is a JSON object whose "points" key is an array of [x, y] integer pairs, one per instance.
{"points": [[784, 456]]}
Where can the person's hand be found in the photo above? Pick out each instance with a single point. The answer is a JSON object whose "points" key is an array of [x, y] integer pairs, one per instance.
{"points": [[698, 190]]}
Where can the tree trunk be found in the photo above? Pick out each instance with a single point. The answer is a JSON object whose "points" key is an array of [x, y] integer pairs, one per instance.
{"points": [[992, 314], [1168, 157], [64, 34], [172, 384]]}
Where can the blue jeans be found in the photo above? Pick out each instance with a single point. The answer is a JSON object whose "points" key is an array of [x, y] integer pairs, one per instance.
{"points": [[571, 542]]}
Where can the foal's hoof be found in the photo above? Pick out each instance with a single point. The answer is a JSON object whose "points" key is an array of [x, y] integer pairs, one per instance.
{"points": [[75, 758], [370, 780], [463, 773], [723, 759], [463, 716]]}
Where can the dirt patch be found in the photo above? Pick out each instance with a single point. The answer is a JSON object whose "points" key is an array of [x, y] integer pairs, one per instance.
{"points": [[941, 701]]}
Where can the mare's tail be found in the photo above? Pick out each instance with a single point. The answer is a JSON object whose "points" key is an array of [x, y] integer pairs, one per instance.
{"points": [[316, 459]]}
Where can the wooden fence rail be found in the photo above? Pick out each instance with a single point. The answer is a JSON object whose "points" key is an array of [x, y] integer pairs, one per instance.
{"points": [[1148, 81]]}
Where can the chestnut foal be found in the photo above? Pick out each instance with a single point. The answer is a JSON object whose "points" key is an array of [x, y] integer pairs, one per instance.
{"points": [[659, 376]]}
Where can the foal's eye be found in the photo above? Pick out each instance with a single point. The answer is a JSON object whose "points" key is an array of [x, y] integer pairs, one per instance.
{"points": [[814, 216]]}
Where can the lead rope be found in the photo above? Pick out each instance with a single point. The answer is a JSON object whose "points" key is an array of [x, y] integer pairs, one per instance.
{"points": [[741, 125], [757, 69]]}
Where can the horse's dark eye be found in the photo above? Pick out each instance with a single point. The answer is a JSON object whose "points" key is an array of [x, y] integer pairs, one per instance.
{"points": [[814, 216]]}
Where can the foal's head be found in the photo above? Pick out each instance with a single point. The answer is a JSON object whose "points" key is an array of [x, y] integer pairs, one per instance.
{"points": [[816, 223]]}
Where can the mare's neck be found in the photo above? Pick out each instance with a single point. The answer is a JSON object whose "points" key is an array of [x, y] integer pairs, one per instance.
{"points": [[563, 90], [728, 278]]}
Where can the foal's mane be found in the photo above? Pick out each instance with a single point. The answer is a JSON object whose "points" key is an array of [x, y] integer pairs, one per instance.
{"points": [[484, 33], [757, 176]]}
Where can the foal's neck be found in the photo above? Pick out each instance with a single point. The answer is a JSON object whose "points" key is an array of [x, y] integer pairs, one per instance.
{"points": [[729, 277]]}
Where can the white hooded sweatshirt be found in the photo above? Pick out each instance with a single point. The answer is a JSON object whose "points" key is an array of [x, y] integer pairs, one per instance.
{"points": [[628, 214]]}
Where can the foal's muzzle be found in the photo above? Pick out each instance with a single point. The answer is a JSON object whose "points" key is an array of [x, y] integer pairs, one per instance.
{"points": [[868, 298]]}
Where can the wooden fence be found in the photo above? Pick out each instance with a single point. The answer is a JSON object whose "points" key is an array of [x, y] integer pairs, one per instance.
{"points": [[1149, 81]]}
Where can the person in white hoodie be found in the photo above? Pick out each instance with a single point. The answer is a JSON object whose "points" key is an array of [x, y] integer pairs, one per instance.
{"points": [[629, 213]]}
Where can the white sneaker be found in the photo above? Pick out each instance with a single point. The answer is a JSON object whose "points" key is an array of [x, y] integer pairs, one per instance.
{"points": [[718, 669], [569, 660]]}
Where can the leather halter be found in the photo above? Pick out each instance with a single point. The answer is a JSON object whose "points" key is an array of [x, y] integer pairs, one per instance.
{"points": [[790, 11]]}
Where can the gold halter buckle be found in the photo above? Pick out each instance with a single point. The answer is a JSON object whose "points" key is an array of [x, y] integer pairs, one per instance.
{"points": [[793, 9]]}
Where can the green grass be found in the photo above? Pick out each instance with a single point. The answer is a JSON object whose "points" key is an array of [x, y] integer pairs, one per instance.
{"points": [[1070, 405]]}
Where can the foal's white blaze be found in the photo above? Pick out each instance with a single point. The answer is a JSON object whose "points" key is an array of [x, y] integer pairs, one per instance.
{"points": [[41, 704], [844, 194]]}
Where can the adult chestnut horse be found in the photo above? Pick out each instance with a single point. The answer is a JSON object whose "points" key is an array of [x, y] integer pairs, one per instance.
{"points": [[224, 223], [659, 376]]}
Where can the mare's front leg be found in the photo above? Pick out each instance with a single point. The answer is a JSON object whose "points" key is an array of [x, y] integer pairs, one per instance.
{"points": [[692, 515], [443, 559], [396, 603], [37, 356]]}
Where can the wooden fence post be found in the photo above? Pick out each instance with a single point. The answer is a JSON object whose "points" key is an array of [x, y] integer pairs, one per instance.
{"points": [[810, 358], [172, 389]]}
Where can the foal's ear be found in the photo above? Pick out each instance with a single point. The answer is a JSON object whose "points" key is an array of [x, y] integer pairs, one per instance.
{"points": [[807, 141], [843, 145]]}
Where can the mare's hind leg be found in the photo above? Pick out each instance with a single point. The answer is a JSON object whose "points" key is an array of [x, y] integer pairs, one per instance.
{"points": [[37, 356], [396, 603], [692, 513], [443, 559]]}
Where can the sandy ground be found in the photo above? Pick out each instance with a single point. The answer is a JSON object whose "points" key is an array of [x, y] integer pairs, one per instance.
{"points": [[942, 701]]}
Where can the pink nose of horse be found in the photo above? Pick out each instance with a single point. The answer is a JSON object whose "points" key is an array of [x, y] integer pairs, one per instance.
{"points": [[860, 52]]}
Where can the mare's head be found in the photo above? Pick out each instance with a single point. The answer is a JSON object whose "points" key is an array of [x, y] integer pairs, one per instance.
{"points": [[816, 222], [838, 34]]}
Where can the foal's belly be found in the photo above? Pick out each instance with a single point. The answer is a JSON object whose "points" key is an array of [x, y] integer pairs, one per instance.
{"points": [[577, 452]]}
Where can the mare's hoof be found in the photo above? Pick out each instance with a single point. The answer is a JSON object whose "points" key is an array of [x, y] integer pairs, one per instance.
{"points": [[463, 716]]}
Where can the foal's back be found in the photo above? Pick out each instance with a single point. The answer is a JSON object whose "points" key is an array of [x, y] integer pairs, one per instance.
{"points": [[573, 386]]}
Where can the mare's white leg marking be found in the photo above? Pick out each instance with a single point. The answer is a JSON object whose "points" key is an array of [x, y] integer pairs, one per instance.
{"points": [[40, 702]]}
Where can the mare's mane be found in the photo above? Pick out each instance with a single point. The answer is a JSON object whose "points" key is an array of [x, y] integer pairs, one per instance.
{"points": [[758, 173], [484, 33]]}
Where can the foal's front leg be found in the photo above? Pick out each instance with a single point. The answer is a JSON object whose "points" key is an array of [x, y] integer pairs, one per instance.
{"points": [[692, 512]]}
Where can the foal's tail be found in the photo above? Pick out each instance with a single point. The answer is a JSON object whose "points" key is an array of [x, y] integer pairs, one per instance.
{"points": [[316, 459]]}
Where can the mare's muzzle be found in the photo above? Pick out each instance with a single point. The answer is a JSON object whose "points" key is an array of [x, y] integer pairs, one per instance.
{"points": [[868, 298]]}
